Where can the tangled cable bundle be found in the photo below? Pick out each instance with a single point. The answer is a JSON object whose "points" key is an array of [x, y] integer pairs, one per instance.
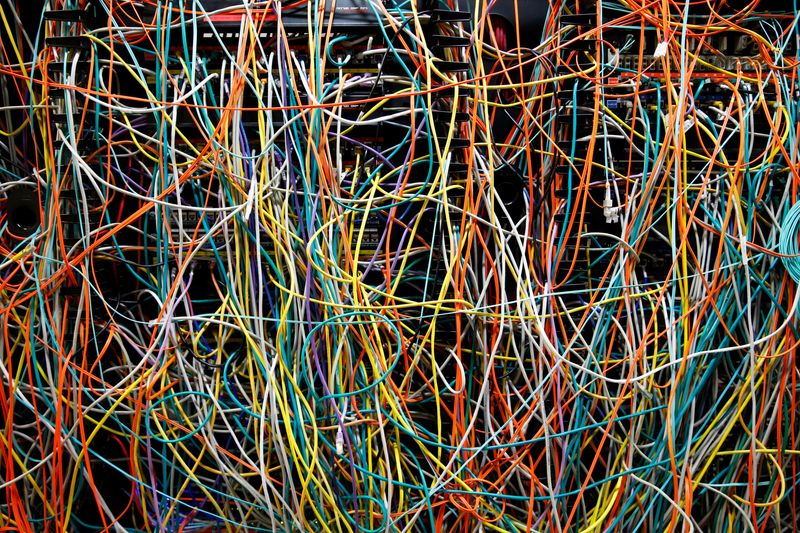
{"points": [[394, 265]]}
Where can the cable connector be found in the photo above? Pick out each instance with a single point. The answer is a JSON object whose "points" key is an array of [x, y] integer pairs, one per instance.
{"points": [[661, 50], [609, 211], [339, 441]]}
